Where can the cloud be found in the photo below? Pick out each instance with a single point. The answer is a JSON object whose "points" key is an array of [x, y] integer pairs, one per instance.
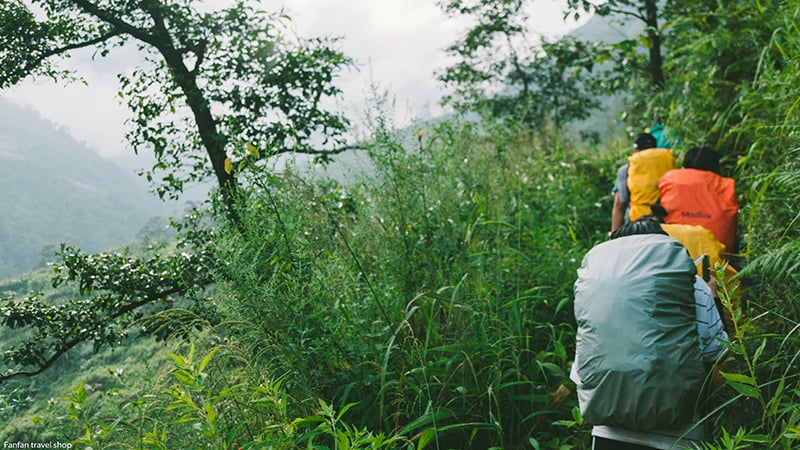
{"points": [[88, 109], [398, 44]]}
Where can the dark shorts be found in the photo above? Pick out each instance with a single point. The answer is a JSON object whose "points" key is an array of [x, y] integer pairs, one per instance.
{"points": [[599, 443]]}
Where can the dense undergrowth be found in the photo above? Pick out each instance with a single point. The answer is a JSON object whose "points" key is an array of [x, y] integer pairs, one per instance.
{"points": [[433, 295], [425, 305], [427, 302]]}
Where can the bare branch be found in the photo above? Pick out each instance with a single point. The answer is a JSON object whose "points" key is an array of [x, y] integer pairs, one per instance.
{"points": [[335, 151], [306, 151]]}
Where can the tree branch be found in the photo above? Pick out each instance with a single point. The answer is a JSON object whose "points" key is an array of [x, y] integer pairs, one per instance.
{"points": [[45, 365], [308, 151], [200, 51], [78, 45], [625, 12], [119, 25], [69, 345], [333, 151]]}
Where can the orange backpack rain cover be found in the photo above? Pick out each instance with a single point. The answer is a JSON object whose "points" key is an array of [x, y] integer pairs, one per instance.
{"points": [[700, 197]]}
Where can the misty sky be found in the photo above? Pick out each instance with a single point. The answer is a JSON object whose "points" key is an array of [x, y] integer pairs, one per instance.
{"points": [[397, 44]]}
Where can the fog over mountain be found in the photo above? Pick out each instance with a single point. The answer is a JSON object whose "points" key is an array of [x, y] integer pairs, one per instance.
{"points": [[57, 190]]}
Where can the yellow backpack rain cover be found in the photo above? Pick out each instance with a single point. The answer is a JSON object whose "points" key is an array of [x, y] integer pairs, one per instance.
{"points": [[699, 241], [645, 168]]}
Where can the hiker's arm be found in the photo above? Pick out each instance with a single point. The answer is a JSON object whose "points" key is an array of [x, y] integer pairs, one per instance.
{"points": [[710, 328], [617, 213]]}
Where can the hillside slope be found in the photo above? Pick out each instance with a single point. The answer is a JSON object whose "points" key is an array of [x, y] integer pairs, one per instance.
{"points": [[57, 190]]}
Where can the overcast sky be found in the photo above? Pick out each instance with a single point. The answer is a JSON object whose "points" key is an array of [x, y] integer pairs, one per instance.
{"points": [[397, 44]]}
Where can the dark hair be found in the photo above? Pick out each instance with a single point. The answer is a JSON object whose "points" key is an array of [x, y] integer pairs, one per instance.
{"points": [[644, 141], [702, 158], [659, 212], [648, 224]]}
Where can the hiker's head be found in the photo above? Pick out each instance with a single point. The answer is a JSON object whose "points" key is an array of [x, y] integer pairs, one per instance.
{"points": [[649, 224], [644, 141], [658, 212], [702, 158]]}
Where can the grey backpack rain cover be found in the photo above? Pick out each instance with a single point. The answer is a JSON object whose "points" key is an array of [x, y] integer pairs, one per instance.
{"points": [[637, 352]]}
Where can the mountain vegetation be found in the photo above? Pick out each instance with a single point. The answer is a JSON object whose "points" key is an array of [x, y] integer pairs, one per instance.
{"points": [[57, 190], [426, 303]]}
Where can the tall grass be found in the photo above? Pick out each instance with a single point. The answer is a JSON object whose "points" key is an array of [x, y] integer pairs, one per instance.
{"points": [[762, 410], [431, 298], [426, 304]]}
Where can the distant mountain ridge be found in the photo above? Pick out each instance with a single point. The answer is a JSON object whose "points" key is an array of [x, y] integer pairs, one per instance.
{"points": [[58, 190]]}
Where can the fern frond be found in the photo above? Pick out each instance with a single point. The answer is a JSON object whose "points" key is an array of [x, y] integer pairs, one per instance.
{"points": [[781, 263]]}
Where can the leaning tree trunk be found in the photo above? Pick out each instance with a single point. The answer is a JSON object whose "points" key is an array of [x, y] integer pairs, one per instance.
{"points": [[213, 141]]}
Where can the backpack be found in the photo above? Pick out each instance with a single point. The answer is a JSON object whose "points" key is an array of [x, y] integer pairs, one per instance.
{"points": [[701, 197], [665, 138], [637, 355], [699, 241], [645, 168]]}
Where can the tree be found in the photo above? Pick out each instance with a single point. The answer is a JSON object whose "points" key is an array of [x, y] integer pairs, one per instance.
{"points": [[502, 71], [716, 51], [216, 90], [645, 11]]}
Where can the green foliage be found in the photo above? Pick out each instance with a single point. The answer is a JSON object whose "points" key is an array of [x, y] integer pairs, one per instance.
{"points": [[734, 72], [434, 293], [759, 397], [633, 71], [31, 407], [767, 166], [713, 55], [430, 300], [428, 303], [504, 74], [24, 45], [263, 86], [214, 401], [113, 289]]}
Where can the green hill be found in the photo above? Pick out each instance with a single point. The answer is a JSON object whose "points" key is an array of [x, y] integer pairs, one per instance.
{"points": [[57, 190]]}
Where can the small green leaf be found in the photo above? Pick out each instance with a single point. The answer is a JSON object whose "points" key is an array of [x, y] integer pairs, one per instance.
{"points": [[759, 438], [564, 301], [739, 378], [206, 360], [746, 390], [576, 415], [759, 350], [344, 410], [426, 437], [775, 402]]}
